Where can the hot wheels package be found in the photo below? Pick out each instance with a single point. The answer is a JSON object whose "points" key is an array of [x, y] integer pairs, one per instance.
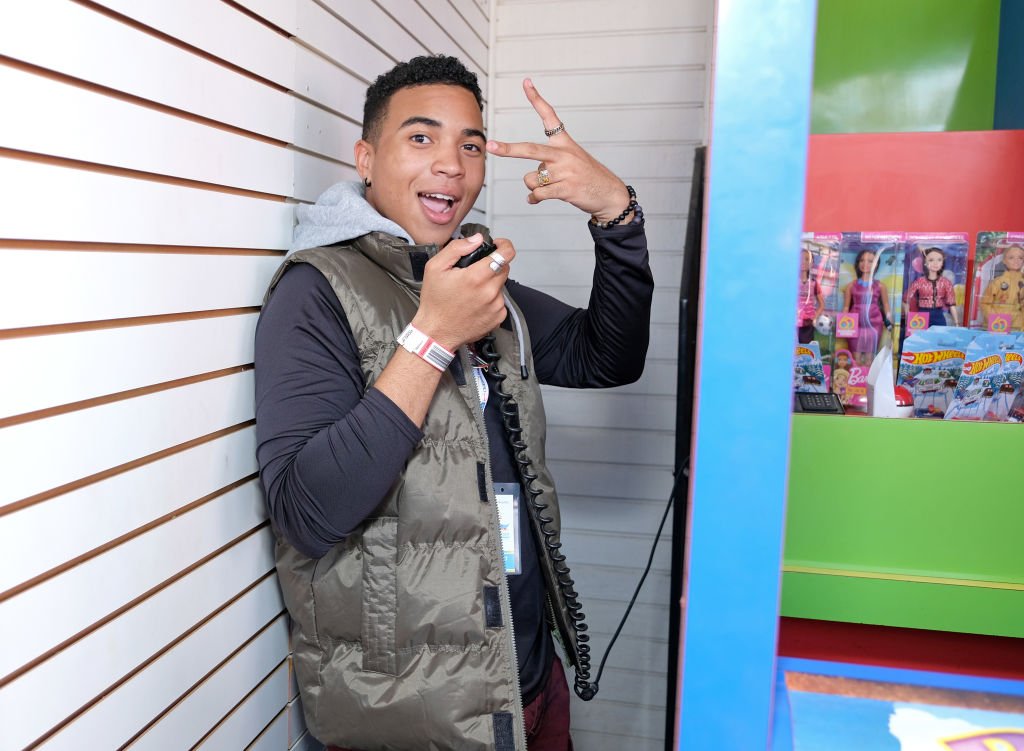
{"points": [[930, 367], [1009, 390], [981, 379], [808, 373], [997, 302]]}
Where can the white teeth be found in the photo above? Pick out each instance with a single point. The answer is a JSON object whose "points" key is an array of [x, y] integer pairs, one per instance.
{"points": [[440, 195]]}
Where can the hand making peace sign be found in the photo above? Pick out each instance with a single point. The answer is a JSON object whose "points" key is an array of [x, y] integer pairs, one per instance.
{"points": [[566, 171]]}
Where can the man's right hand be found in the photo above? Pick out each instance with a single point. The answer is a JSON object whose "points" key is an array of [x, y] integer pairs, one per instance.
{"points": [[462, 305]]}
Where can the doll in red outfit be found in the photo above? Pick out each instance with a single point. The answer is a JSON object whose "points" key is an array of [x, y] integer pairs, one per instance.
{"points": [[933, 293]]}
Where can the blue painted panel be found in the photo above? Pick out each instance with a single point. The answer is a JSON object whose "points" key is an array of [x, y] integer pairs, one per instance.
{"points": [[761, 110], [1010, 67]]}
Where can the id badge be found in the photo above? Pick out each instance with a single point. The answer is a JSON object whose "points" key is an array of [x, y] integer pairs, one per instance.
{"points": [[507, 496]]}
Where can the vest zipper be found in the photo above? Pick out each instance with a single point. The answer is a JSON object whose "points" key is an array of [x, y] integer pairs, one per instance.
{"points": [[495, 529]]}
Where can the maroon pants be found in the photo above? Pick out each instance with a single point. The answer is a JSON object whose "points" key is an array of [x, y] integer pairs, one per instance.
{"points": [[547, 716]]}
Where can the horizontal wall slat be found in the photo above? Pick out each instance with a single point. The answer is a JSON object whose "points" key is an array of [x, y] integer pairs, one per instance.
{"points": [[585, 548], [614, 515], [274, 736], [126, 572], [567, 53], [599, 480], [314, 175], [664, 123], [593, 580], [282, 15], [43, 697], [569, 232], [591, 16], [324, 132], [576, 267], [659, 379], [612, 717], [611, 444], [55, 287], [111, 208], [68, 38], [585, 738], [467, 45], [244, 722], [664, 302], [645, 621], [108, 361], [82, 520], [113, 132], [224, 32], [199, 710], [296, 720], [631, 162], [431, 35], [323, 82], [609, 88], [126, 710], [570, 408], [336, 40], [475, 15], [118, 432]]}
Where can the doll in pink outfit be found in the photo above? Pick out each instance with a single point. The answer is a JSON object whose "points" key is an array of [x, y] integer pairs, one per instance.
{"points": [[869, 299], [810, 302]]}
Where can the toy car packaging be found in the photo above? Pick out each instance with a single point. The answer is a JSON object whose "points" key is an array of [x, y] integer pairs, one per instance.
{"points": [[934, 279], [1013, 375], [997, 293], [871, 282], [980, 380], [808, 373], [930, 367]]}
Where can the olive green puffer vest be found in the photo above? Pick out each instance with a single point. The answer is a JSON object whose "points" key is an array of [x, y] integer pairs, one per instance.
{"points": [[402, 633]]}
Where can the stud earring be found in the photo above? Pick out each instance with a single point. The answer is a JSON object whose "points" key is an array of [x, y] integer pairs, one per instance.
{"points": [[366, 182]]}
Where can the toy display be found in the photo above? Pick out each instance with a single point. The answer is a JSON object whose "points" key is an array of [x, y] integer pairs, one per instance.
{"points": [[810, 302], [998, 292], [935, 277], [930, 367], [808, 373], [822, 250], [871, 276]]}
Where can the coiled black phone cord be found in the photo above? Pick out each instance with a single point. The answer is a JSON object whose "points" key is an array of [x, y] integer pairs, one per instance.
{"points": [[510, 417]]}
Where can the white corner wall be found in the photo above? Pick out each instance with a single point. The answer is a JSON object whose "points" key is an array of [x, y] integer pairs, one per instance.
{"points": [[629, 81], [151, 154]]}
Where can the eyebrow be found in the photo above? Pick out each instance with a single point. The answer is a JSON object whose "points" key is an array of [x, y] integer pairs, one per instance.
{"points": [[432, 123]]}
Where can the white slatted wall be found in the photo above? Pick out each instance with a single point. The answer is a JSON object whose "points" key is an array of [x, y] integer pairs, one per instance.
{"points": [[629, 81], [151, 154]]}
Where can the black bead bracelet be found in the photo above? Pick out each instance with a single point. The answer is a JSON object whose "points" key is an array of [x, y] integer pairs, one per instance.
{"points": [[633, 206]]}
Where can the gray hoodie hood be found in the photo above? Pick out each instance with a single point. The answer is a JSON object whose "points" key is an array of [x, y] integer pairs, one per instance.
{"points": [[340, 213]]}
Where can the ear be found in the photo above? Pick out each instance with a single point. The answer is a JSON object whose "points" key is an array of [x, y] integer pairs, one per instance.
{"points": [[363, 151]]}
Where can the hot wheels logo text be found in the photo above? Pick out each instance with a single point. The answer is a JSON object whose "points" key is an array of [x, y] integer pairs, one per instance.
{"points": [[927, 358], [804, 351], [980, 366], [1014, 357]]}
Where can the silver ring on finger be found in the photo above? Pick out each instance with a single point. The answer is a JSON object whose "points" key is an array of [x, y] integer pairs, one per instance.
{"points": [[560, 128], [497, 261]]}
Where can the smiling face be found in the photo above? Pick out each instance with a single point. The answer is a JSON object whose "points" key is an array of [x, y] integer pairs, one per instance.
{"points": [[426, 167], [1013, 258], [866, 264]]}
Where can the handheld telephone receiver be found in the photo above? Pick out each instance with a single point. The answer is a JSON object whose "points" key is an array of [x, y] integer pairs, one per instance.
{"points": [[485, 249]]}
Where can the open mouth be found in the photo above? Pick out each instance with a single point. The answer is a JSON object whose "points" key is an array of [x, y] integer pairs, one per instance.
{"points": [[438, 206]]}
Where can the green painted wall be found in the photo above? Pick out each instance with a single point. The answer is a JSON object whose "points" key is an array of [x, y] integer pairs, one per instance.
{"points": [[914, 523], [905, 65]]}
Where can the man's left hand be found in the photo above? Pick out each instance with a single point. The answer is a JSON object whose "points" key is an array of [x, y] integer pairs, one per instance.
{"points": [[566, 171]]}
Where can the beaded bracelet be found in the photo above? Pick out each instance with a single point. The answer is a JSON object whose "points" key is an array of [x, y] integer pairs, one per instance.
{"points": [[632, 206]]}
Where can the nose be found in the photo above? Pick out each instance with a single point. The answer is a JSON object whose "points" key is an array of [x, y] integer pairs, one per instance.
{"points": [[448, 160]]}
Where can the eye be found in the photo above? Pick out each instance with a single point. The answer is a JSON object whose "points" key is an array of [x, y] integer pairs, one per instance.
{"points": [[473, 147], [419, 138]]}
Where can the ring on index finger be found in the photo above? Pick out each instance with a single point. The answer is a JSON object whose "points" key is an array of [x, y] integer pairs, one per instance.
{"points": [[543, 176], [497, 261], [560, 128]]}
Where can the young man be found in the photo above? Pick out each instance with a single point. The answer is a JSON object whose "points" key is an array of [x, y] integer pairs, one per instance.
{"points": [[391, 479]]}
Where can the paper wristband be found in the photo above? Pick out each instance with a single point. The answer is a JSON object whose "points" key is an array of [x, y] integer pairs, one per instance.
{"points": [[415, 341]]}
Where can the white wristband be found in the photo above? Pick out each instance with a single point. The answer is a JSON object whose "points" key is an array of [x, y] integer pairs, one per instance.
{"points": [[415, 341]]}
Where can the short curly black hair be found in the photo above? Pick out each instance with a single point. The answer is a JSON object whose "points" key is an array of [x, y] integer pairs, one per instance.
{"points": [[420, 71]]}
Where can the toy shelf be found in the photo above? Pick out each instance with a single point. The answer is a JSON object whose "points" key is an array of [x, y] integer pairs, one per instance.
{"points": [[912, 523]]}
